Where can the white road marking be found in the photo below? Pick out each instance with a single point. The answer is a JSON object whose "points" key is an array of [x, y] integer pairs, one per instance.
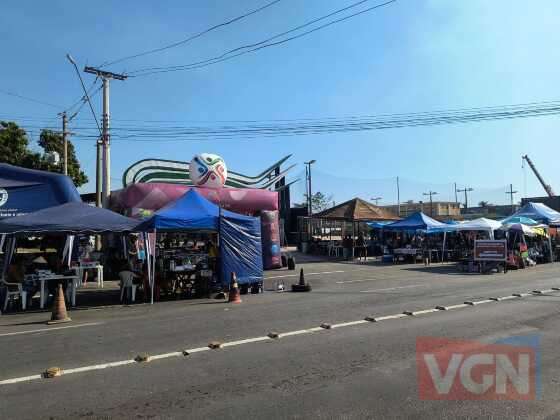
{"points": [[307, 274], [246, 341], [424, 311], [478, 302], [349, 324], [21, 379], [507, 297], [98, 367], [166, 355], [447, 308], [392, 288], [383, 318], [50, 329], [237, 342]]}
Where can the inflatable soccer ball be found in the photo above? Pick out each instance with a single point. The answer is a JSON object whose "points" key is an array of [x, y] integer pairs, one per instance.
{"points": [[208, 170]]}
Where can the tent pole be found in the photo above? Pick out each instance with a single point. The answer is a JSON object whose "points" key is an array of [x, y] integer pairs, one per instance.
{"points": [[550, 247], [153, 268], [353, 239], [2, 239], [443, 248]]}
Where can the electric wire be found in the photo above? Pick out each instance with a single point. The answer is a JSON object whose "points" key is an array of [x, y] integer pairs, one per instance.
{"points": [[5, 92], [192, 37], [258, 46]]}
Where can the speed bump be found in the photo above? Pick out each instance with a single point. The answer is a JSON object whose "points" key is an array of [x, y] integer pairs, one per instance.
{"points": [[215, 345], [52, 372], [142, 358]]}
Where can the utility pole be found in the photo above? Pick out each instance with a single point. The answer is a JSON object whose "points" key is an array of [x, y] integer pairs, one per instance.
{"points": [[105, 77], [376, 199], [455, 188], [465, 190], [309, 193], [511, 192], [65, 143], [431, 193], [98, 173], [398, 198]]}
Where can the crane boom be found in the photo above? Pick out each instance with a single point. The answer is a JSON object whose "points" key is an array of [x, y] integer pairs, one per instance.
{"points": [[546, 187]]}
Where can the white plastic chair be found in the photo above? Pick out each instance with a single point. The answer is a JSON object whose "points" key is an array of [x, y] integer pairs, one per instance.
{"points": [[127, 281], [11, 293]]}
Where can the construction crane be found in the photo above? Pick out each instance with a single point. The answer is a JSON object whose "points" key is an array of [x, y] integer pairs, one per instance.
{"points": [[546, 187]]}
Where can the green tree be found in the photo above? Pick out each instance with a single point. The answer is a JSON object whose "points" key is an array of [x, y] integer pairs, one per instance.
{"points": [[51, 141], [319, 202], [14, 149], [13, 143]]}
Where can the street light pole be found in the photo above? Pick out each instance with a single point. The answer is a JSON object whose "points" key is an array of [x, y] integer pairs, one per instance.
{"points": [[511, 192], [65, 143], [466, 190], [431, 193], [308, 174]]}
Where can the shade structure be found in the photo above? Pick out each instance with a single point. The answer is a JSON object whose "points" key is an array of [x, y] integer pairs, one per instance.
{"points": [[356, 210], [378, 225], [519, 219], [481, 224], [240, 235], [69, 218], [417, 221], [525, 229], [540, 213]]}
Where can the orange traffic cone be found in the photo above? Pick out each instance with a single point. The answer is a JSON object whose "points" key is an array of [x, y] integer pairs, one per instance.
{"points": [[302, 286], [234, 295], [59, 314]]}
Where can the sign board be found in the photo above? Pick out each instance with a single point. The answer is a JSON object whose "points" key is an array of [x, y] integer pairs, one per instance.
{"points": [[490, 250]]}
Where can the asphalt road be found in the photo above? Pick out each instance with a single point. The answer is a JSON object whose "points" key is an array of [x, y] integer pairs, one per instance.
{"points": [[365, 370]]}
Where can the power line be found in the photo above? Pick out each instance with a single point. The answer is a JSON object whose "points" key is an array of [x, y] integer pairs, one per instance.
{"points": [[325, 127], [524, 105], [29, 99], [225, 56], [192, 37]]}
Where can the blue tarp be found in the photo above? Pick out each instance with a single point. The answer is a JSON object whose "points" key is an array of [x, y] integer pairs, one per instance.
{"points": [[69, 218], [240, 236], [25, 190], [539, 212], [417, 221], [377, 225]]}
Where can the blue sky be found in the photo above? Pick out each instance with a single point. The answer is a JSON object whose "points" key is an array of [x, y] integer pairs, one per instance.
{"points": [[411, 56]]}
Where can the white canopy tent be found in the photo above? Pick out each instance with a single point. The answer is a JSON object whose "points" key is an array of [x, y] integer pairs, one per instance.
{"points": [[480, 224]]}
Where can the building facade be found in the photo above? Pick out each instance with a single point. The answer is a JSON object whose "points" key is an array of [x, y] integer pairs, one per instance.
{"points": [[436, 209]]}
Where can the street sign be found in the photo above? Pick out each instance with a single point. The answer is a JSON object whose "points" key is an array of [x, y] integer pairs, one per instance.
{"points": [[490, 250]]}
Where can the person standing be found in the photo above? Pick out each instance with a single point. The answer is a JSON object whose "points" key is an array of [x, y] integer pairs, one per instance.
{"points": [[361, 246]]}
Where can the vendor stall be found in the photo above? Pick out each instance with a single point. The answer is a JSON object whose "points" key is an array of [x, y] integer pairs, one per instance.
{"points": [[65, 220], [239, 240]]}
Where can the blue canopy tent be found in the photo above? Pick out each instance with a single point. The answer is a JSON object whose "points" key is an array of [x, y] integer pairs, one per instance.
{"points": [[69, 219], [417, 221], [421, 222], [239, 235], [541, 213], [538, 212]]}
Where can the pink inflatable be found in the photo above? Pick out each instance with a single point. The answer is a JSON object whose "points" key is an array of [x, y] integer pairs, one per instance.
{"points": [[142, 199], [152, 196]]}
